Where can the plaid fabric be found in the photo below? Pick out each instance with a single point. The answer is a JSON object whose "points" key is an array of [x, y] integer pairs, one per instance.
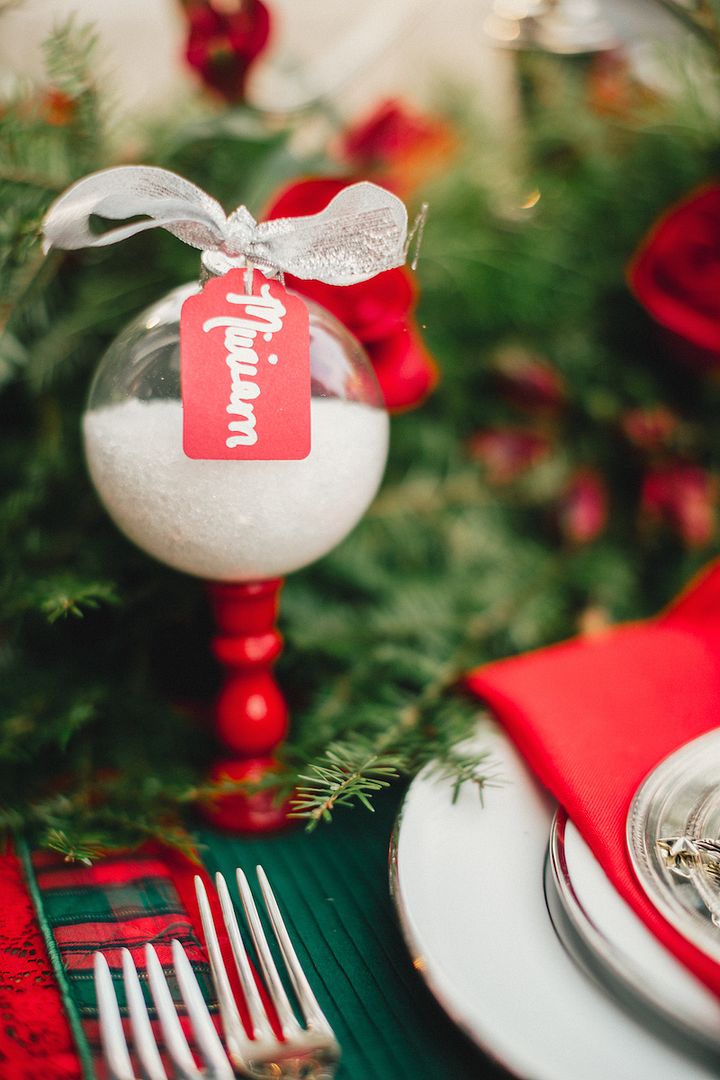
{"points": [[121, 903]]}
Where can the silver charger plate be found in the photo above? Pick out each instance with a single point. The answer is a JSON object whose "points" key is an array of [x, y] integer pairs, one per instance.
{"points": [[611, 943], [676, 810], [468, 884]]}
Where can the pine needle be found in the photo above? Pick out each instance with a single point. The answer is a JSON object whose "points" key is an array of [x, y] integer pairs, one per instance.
{"points": [[344, 776]]}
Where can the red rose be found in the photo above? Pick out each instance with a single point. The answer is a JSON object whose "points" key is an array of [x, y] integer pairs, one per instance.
{"points": [[613, 89], [676, 274], [58, 108], [508, 452], [527, 381], [378, 312], [403, 146], [224, 38], [650, 428], [583, 510], [681, 496]]}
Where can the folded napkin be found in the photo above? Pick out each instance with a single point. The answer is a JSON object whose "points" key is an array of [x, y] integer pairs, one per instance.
{"points": [[594, 715]]}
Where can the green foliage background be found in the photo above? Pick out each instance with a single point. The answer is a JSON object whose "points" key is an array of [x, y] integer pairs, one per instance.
{"points": [[105, 678]]}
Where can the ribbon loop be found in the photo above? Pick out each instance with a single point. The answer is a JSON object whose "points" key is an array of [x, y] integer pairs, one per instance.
{"points": [[361, 232], [167, 200]]}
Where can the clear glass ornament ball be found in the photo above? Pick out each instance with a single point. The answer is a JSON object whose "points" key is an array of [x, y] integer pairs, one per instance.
{"points": [[231, 520]]}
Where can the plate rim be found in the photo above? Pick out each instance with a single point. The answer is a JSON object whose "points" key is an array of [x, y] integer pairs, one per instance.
{"points": [[413, 946], [606, 960]]}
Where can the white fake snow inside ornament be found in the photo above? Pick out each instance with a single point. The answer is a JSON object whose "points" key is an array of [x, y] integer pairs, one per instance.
{"points": [[231, 520]]}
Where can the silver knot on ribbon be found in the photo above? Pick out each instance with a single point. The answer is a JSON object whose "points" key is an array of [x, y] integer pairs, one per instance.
{"points": [[361, 232]]}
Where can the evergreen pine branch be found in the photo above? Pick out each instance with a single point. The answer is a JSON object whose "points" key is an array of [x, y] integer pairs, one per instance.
{"points": [[70, 52], [68, 596], [107, 814], [701, 19], [343, 776], [85, 849], [25, 178], [463, 769], [450, 569]]}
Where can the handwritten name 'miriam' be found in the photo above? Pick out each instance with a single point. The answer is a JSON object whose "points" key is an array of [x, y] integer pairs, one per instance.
{"points": [[264, 315]]}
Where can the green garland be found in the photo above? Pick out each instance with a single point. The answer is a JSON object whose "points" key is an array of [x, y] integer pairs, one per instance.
{"points": [[103, 653]]}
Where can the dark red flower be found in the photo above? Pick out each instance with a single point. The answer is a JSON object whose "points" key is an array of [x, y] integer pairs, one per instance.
{"points": [[676, 275], [404, 146], [613, 89], [651, 427], [58, 108], [527, 381], [224, 37], [682, 497], [378, 312], [583, 510], [507, 453]]}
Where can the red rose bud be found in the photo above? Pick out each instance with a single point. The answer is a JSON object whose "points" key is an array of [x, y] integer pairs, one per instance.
{"points": [[682, 497], [612, 87], [403, 145], [583, 511], [223, 40], [650, 428], [507, 453], [379, 312], [675, 275], [527, 381], [58, 108]]}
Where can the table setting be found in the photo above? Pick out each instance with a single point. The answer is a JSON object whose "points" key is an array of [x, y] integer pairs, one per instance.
{"points": [[360, 518], [635, 1010], [473, 911]]}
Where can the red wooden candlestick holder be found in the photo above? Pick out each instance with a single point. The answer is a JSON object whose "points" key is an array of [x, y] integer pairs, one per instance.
{"points": [[251, 716]]}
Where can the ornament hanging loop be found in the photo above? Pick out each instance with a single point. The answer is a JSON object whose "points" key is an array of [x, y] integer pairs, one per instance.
{"points": [[416, 234]]}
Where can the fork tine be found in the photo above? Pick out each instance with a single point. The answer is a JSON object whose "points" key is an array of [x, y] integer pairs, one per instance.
{"points": [[203, 1028], [232, 1024], [145, 1045], [112, 1036], [175, 1041], [288, 1021], [258, 1016], [314, 1016]]}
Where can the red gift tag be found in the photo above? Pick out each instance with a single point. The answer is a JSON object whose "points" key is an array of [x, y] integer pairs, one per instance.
{"points": [[245, 371]]}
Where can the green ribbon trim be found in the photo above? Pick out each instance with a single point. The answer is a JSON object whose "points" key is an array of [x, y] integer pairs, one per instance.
{"points": [[82, 1046]]}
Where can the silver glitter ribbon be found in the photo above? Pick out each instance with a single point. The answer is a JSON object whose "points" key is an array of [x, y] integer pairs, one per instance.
{"points": [[361, 232]]}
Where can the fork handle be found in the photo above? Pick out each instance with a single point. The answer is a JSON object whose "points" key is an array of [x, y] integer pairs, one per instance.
{"points": [[251, 716]]}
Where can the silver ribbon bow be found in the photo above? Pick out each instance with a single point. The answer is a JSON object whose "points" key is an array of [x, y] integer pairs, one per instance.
{"points": [[361, 232]]}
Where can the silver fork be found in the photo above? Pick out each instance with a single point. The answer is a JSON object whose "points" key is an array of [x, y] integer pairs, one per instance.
{"points": [[112, 1036], [304, 1053]]}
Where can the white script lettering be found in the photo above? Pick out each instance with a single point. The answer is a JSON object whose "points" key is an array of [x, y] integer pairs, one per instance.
{"points": [[264, 315]]}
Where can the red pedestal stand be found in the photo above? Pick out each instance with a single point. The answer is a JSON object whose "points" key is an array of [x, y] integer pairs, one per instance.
{"points": [[251, 714]]}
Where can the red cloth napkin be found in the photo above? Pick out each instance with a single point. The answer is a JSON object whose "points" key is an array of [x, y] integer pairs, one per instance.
{"points": [[594, 715]]}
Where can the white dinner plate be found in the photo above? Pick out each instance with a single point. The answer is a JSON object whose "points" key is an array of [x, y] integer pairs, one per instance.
{"points": [[468, 882]]}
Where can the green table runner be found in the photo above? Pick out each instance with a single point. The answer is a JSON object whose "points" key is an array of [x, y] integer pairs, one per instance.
{"points": [[332, 887]]}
